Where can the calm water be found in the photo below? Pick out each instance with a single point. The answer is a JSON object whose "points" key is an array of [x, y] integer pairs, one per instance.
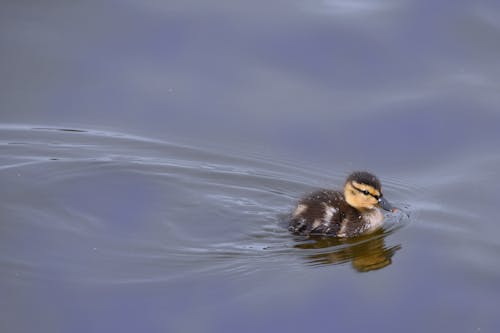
{"points": [[151, 151]]}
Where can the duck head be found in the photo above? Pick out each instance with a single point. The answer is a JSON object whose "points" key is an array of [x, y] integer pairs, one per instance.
{"points": [[363, 191]]}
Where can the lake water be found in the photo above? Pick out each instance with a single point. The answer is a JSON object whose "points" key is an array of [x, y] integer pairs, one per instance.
{"points": [[151, 152]]}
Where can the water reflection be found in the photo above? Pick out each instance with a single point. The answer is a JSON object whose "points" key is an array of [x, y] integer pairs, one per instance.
{"points": [[366, 253]]}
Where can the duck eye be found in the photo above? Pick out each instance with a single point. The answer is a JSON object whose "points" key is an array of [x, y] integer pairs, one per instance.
{"points": [[365, 192]]}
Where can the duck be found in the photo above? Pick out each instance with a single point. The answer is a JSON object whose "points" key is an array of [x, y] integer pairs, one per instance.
{"points": [[355, 211]]}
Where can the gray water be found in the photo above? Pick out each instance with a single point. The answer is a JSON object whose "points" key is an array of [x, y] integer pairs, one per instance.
{"points": [[151, 152]]}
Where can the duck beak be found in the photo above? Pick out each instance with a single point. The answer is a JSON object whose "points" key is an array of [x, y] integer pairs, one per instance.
{"points": [[385, 205]]}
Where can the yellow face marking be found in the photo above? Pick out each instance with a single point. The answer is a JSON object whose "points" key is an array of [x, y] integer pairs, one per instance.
{"points": [[364, 187], [357, 199]]}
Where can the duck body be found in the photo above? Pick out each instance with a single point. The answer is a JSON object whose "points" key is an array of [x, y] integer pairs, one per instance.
{"points": [[354, 212], [325, 212]]}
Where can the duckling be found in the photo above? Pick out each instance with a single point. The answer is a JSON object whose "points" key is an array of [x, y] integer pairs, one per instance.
{"points": [[333, 213]]}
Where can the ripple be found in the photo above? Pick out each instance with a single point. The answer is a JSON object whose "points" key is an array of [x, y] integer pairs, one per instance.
{"points": [[116, 208]]}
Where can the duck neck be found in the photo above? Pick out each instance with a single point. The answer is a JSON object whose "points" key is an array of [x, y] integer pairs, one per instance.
{"points": [[373, 217]]}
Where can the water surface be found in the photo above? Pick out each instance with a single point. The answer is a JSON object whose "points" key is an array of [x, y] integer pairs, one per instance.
{"points": [[151, 151]]}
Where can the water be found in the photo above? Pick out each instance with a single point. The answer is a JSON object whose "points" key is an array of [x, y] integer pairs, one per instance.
{"points": [[151, 151]]}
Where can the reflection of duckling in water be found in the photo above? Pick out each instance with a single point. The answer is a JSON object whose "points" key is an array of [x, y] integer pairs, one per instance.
{"points": [[333, 213], [366, 253]]}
